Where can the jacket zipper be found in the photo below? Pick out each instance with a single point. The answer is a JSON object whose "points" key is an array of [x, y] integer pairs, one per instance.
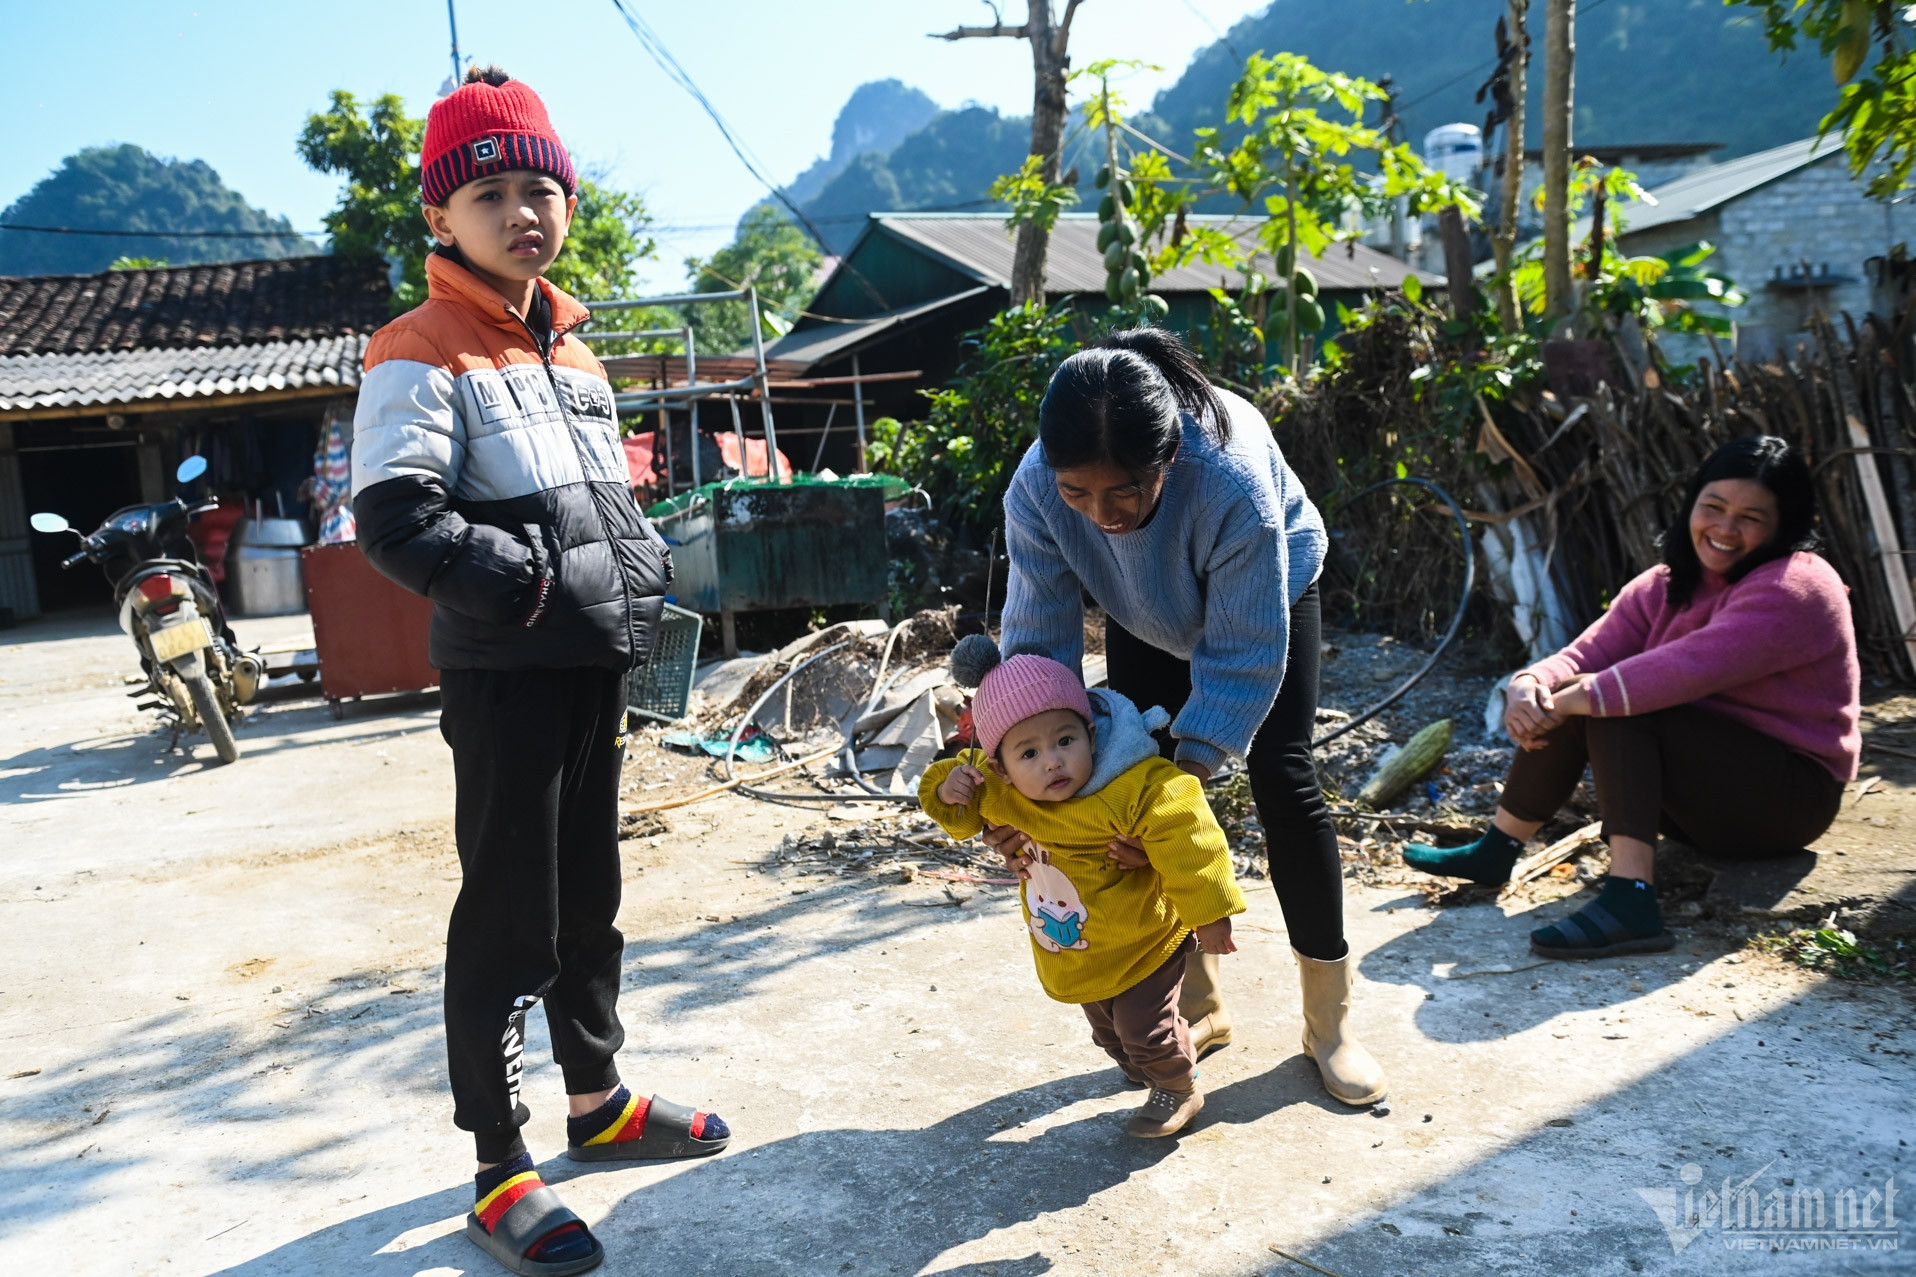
{"points": [[605, 527]]}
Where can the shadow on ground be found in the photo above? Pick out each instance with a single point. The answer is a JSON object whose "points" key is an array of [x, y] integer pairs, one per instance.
{"points": [[884, 1201]]}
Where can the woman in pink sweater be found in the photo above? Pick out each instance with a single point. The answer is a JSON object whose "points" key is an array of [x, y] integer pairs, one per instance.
{"points": [[1717, 700]]}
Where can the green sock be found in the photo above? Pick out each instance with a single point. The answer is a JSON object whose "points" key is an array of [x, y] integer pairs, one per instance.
{"points": [[1488, 860]]}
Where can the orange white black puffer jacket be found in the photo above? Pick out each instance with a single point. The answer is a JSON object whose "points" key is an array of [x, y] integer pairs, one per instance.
{"points": [[488, 476]]}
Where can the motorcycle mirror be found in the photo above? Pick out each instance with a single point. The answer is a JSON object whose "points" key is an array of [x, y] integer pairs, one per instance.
{"points": [[44, 522], [190, 469]]}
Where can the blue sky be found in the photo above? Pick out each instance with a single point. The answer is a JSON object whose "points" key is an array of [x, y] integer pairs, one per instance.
{"points": [[231, 82]]}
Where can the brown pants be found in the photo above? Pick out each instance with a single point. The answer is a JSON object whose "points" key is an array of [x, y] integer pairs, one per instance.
{"points": [[1720, 786], [1142, 1030]]}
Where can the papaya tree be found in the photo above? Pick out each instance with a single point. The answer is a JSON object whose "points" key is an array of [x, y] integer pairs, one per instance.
{"points": [[1305, 158]]}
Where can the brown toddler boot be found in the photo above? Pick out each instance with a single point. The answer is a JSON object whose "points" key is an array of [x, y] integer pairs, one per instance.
{"points": [[1165, 1113], [1351, 1073]]}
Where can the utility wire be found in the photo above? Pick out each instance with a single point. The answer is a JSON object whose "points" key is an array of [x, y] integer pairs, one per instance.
{"points": [[1479, 68], [663, 228], [80, 230], [655, 47]]}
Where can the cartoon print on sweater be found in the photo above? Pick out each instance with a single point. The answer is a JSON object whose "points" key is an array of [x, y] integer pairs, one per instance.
{"points": [[1058, 916]]}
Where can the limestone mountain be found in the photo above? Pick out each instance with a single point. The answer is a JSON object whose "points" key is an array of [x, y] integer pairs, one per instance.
{"points": [[127, 188]]}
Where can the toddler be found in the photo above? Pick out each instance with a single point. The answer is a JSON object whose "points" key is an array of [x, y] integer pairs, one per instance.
{"points": [[1111, 940]]}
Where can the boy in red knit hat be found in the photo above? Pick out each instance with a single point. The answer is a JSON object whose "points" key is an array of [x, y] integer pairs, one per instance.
{"points": [[488, 476]]}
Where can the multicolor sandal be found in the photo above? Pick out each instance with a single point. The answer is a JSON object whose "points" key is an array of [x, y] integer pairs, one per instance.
{"points": [[628, 1129], [518, 1218]]}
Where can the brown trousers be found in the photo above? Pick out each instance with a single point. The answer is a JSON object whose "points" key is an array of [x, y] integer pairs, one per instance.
{"points": [[1142, 1030], [1720, 786]]}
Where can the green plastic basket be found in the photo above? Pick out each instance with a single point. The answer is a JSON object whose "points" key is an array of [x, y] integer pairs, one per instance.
{"points": [[662, 688]]}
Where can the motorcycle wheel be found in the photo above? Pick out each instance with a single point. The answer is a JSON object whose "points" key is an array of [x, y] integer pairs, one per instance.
{"points": [[207, 704]]}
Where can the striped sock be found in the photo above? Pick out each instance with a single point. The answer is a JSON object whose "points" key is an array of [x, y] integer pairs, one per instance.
{"points": [[623, 1118], [494, 1192]]}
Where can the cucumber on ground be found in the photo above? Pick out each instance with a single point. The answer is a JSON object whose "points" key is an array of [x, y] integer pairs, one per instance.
{"points": [[1407, 766]]}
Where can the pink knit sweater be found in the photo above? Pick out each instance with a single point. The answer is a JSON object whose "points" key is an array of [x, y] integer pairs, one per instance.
{"points": [[1775, 651]]}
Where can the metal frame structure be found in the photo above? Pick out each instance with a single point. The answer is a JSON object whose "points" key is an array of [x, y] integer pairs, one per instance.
{"points": [[664, 398]]}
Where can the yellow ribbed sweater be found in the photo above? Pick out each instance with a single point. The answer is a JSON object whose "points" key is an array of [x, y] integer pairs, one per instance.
{"points": [[1105, 928]]}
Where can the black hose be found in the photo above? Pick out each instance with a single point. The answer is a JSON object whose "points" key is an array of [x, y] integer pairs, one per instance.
{"points": [[1456, 621], [1430, 662]]}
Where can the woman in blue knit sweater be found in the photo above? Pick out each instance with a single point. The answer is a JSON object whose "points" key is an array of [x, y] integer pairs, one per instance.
{"points": [[1167, 501]]}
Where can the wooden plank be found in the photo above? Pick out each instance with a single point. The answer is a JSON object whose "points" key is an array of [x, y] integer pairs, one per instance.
{"points": [[1555, 854]]}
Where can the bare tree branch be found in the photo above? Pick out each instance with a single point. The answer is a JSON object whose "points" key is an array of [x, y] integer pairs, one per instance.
{"points": [[974, 33], [1062, 40]]}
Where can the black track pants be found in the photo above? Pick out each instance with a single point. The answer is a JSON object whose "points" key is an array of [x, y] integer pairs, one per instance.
{"points": [[1299, 839], [536, 757]]}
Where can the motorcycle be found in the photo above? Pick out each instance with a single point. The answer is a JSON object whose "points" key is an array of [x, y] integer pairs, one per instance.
{"points": [[169, 607]]}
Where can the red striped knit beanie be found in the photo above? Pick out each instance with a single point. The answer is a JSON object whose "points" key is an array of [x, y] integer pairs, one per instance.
{"points": [[483, 128]]}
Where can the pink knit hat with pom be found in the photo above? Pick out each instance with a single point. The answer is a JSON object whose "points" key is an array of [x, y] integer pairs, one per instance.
{"points": [[1021, 687]]}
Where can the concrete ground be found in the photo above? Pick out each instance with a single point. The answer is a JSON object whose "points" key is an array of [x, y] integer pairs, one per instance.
{"points": [[222, 1050]]}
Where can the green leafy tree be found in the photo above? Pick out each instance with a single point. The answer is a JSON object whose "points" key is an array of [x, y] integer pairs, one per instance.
{"points": [[964, 451], [771, 254], [609, 237], [139, 263], [1875, 107], [376, 150]]}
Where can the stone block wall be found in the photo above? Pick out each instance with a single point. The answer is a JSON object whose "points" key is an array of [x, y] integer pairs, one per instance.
{"points": [[1817, 216]]}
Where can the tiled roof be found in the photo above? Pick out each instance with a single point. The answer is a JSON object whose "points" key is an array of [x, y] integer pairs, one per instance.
{"points": [[979, 245], [293, 299], [112, 378]]}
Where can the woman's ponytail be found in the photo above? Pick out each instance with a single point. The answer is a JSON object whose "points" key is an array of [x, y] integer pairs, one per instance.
{"points": [[1122, 401]]}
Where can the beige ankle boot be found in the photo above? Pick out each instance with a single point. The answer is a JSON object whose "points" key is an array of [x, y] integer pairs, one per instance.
{"points": [[1201, 1003], [1351, 1073]]}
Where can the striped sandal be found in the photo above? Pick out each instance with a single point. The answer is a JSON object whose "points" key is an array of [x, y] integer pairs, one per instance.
{"points": [[1594, 932], [512, 1222], [647, 1130]]}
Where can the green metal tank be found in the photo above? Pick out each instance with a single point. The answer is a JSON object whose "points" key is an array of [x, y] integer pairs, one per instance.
{"points": [[749, 545]]}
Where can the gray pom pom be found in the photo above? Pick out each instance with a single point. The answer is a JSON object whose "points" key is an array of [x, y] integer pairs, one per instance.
{"points": [[974, 657]]}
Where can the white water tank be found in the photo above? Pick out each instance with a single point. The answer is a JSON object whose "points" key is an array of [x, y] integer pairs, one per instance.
{"points": [[1455, 150]]}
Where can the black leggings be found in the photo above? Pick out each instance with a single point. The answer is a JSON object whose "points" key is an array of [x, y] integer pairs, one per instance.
{"points": [[1300, 842]]}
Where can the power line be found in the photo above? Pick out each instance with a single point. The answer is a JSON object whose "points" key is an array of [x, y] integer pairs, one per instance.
{"points": [[681, 77], [122, 234], [1481, 67], [661, 228]]}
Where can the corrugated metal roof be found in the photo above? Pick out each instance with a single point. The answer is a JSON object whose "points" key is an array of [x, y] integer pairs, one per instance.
{"points": [[113, 378], [219, 304], [979, 245], [1695, 194], [811, 346]]}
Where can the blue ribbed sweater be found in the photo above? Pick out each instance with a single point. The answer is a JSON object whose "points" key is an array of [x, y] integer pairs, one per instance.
{"points": [[1211, 578]]}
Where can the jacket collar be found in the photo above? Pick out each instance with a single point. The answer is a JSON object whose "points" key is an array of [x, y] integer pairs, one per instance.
{"points": [[447, 280]]}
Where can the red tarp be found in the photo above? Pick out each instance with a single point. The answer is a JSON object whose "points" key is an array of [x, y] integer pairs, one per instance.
{"points": [[644, 467]]}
